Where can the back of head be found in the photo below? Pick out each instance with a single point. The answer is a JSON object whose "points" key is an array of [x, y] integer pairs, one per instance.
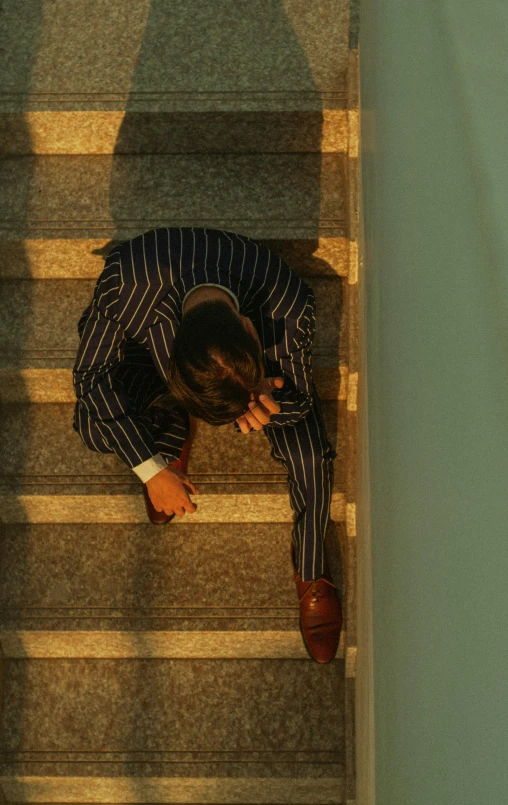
{"points": [[214, 365]]}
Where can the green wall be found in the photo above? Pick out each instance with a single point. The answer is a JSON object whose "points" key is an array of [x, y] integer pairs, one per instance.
{"points": [[434, 78]]}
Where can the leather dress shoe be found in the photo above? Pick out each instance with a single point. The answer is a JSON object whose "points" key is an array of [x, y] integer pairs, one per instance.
{"points": [[320, 615], [160, 518]]}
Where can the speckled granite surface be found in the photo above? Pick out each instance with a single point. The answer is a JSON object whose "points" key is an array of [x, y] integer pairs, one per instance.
{"points": [[174, 705], [39, 440], [264, 789], [73, 258], [30, 503], [42, 315], [173, 132], [244, 45], [84, 193], [233, 115], [93, 576]]}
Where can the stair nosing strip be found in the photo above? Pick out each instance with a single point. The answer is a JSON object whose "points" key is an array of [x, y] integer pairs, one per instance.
{"points": [[22, 644]]}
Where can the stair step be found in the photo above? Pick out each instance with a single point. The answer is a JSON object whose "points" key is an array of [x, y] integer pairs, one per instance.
{"points": [[174, 132], [71, 258], [70, 716], [83, 52], [266, 790], [142, 664], [41, 316], [38, 441], [283, 195], [156, 644], [139, 577], [48, 475], [39, 338], [30, 383], [33, 504]]}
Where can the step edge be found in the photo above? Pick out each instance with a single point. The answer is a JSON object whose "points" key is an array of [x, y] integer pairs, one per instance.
{"points": [[22, 644]]}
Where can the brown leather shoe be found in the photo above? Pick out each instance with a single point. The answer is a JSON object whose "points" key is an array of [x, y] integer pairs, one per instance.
{"points": [[320, 615], [160, 518]]}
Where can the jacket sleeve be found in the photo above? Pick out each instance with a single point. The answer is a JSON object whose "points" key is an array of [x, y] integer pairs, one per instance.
{"points": [[295, 396], [101, 349], [295, 366]]}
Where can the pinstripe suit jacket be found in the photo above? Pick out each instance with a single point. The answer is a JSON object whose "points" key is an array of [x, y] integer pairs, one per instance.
{"points": [[139, 295]]}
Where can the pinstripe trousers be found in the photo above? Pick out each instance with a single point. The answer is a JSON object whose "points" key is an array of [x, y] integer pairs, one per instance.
{"points": [[303, 449]]}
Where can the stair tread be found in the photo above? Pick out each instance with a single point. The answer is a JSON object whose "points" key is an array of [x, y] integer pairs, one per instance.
{"points": [[38, 439], [204, 704], [141, 577], [105, 194], [38, 318], [262, 48]]}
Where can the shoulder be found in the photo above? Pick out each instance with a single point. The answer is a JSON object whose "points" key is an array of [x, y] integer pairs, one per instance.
{"points": [[136, 258]]}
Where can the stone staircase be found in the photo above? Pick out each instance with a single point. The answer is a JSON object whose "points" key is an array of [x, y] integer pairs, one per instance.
{"points": [[145, 664]]}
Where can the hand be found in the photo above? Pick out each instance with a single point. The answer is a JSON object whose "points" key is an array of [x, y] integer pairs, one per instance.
{"points": [[168, 492], [262, 405]]}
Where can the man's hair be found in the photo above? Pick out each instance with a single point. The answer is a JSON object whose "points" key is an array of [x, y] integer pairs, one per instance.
{"points": [[214, 364]]}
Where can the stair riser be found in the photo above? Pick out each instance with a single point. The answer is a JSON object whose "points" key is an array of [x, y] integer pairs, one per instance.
{"points": [[223, 790], [120, 132], [71, 258], [94, 508]]}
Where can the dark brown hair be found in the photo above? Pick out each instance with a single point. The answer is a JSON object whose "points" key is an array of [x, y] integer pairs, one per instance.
{"points": [[214, 364]]}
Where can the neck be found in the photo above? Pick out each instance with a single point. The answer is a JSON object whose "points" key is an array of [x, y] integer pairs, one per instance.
{"points": [[206, 295]]}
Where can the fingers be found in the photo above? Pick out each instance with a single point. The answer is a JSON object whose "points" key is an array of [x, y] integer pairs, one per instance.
{"points": [[257, 415], [187, 482], [269, 403], [274, 383], [180, 501], [254, 423], [159, 507], [185, 504], [244, 425], [169, 492]]}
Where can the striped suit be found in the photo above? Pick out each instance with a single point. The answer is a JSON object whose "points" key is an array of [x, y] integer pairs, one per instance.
{"points": [[126, 335]]}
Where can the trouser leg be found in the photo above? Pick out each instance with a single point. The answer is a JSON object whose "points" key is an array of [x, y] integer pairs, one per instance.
{"points": [[307, 455]]}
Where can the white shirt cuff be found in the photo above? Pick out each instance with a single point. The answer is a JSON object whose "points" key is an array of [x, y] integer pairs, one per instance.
{"points": [[150, 467]]}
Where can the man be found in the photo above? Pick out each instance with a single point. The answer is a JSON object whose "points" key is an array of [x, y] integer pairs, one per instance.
{"points": [[199, 323]]}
